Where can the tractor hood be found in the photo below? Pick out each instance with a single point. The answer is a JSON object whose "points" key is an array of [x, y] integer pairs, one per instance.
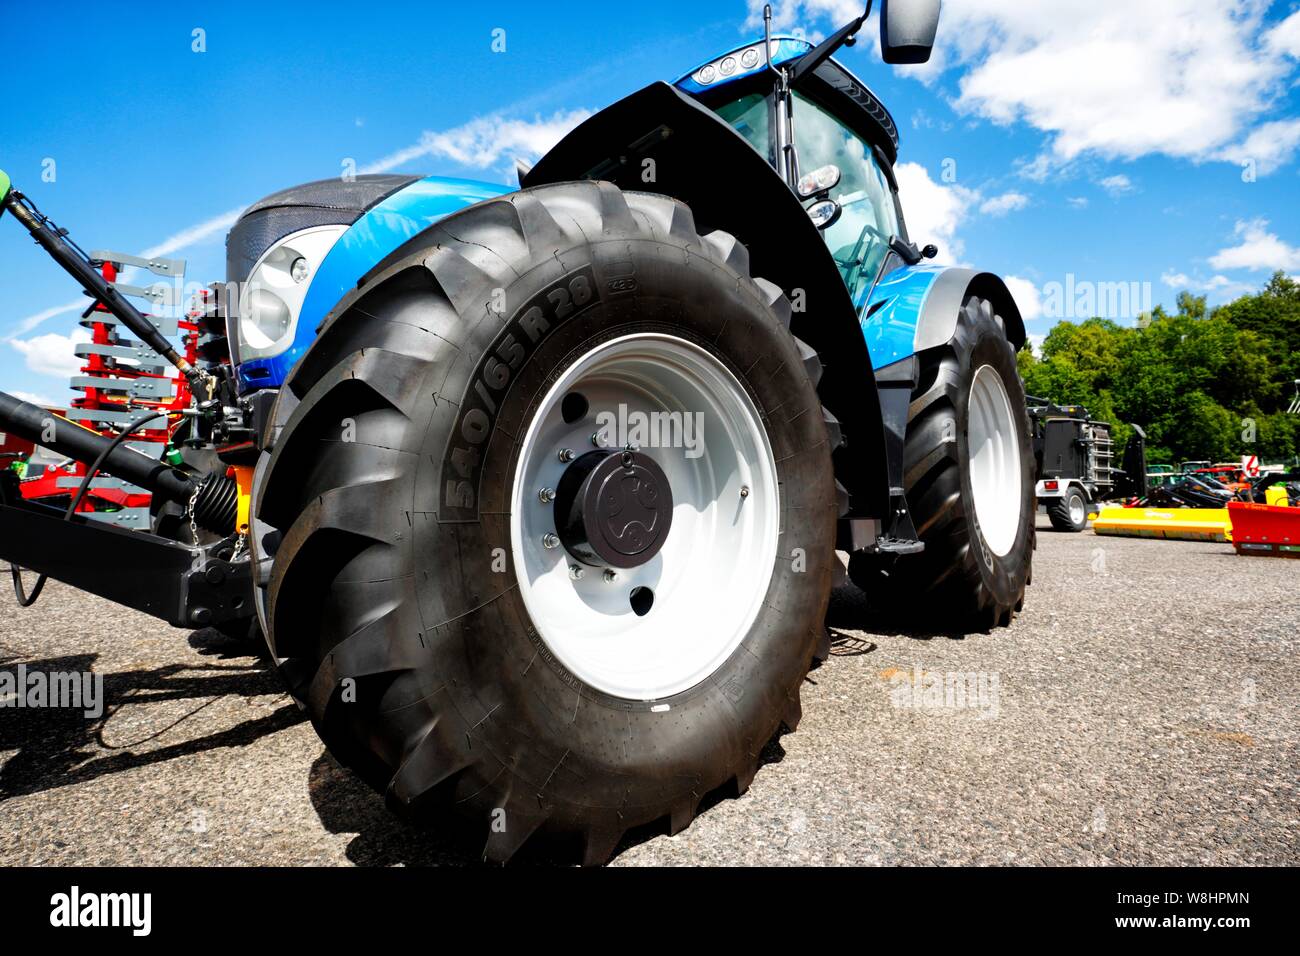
{"points": [[378, 231]]}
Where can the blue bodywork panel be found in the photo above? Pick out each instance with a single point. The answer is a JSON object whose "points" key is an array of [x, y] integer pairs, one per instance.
{"points": [[892, 311], [786, 49], [379, 231]]}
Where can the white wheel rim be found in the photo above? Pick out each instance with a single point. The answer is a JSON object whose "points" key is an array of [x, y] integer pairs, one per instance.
{"points": [[712, 572], [1077, 512], [994, 445]]}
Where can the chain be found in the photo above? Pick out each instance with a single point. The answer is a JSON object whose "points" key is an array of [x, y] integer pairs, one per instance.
{"points": [[239, 547], [189, 510]]}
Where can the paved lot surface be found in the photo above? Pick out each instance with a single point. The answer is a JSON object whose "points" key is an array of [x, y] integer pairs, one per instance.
{"points": [[1143, 710]]}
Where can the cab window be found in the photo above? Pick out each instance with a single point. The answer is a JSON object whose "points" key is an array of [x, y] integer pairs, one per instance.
{"points": [[859, 239], [749, 116]]}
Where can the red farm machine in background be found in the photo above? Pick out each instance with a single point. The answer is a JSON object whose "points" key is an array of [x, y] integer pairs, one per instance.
{"points": [[120, 380], [13, 450]]}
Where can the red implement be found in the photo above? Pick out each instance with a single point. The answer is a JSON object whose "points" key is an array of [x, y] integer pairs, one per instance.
{"points": [[1265, 529]]}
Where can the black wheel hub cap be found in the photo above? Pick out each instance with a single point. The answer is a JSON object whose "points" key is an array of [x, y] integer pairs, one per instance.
{"points": [[614, 508]]}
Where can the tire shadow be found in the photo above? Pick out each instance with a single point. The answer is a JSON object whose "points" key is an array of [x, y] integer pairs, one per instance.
{"points": [[851, 611], [58, 746], [345, 804]]}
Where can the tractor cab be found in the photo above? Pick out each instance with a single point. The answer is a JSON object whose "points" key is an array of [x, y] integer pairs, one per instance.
{"points": [[826, 133]]}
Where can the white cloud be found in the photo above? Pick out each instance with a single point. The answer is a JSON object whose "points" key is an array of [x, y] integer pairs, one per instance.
{"points": [[1112, 78], [484, 142], [1218, 284], [36, 318], [933, 211], [1116, 185], [51, 353], [1035, 170], [1004, 204], [1285, 37], [1036, 343], [36, 399], [193, 235], [1078, 202], [1269, 146], [1028, 299], [797, 18], [1258, 251]]}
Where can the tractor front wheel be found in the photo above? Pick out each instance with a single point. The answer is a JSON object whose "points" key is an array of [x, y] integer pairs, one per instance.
{"points": [[555, 514]]}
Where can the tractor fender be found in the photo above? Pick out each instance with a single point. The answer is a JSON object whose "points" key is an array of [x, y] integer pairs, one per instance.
{"points": [[914, 308], [659, 140]]}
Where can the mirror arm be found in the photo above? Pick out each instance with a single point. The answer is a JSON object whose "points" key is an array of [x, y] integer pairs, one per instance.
{"points": [[907, 251], [822, 52]]}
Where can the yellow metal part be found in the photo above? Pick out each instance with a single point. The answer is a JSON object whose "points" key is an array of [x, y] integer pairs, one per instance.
{"points": [[1184, 524], [244, 481], [1276, 496]]}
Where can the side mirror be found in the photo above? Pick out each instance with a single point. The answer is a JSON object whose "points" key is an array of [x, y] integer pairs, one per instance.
{"points": [[824, 213], [907, 30]]}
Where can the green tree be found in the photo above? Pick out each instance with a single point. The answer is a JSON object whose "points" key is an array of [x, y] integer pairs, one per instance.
{"points": [[1203, 383]]}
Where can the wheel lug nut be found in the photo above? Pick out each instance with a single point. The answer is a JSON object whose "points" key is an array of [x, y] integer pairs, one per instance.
{"points": [[610, 575], [575, 572], [550, 540], [546, 495], [597, 439], [566, 455]]}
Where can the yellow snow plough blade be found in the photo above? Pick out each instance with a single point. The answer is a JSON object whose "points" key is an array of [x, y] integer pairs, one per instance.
{"points": [[1183, 524]]}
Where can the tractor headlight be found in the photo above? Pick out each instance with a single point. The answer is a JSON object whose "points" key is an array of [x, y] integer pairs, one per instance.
{"points": [[264, 321], [272, 297]]}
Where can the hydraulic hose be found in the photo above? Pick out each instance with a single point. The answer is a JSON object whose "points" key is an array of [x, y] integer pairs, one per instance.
{"points": [[68, 438], [73, 261]]}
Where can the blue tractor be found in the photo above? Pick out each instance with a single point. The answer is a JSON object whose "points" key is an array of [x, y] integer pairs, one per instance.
{"points": [[537, 493]]}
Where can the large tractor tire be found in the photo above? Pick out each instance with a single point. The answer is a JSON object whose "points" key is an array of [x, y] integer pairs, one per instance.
{"points": [[969, 481], [1070, 512], [483, 594]]}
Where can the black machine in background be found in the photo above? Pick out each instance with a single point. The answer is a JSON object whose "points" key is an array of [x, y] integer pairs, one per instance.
{"points": [[1075, 458]]}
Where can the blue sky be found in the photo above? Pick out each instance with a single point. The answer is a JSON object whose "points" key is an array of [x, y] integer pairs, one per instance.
{"points": [[1108, 140]]}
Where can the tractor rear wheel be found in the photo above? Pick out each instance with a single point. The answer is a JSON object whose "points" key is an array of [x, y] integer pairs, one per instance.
{"points": [[1069, 513], [556, 514], [969, 481]]}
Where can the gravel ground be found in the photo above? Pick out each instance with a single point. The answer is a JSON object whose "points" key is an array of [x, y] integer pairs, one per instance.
{"points": [[1143, 710]]}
